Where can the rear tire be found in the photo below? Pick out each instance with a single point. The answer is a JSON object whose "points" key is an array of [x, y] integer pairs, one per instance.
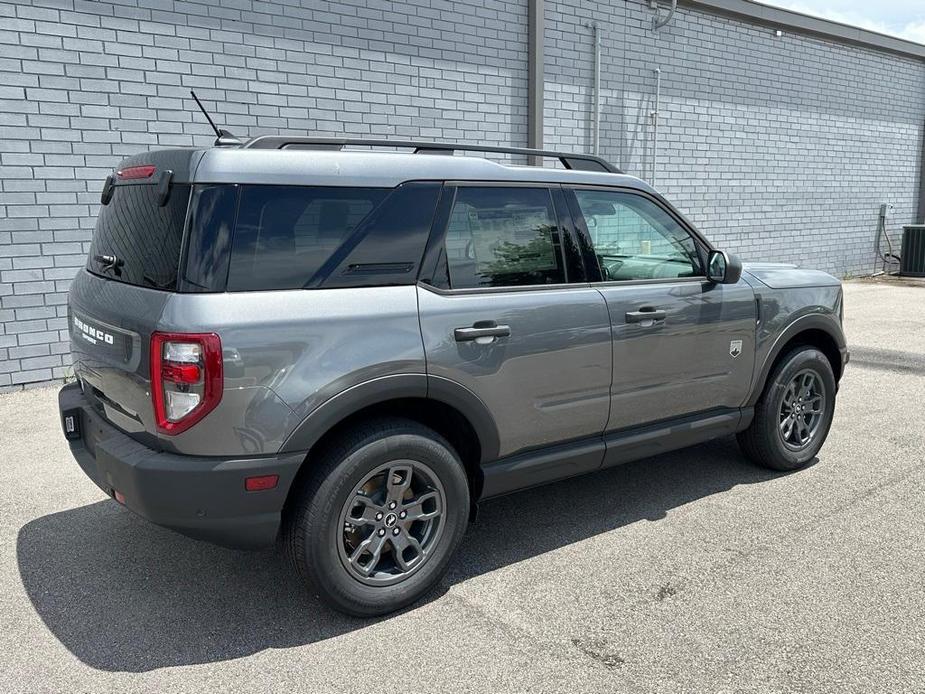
{"points": [[793, 416], [375, 523]]}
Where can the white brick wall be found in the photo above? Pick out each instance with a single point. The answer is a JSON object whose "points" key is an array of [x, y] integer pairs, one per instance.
{"points": [[780, 149]]}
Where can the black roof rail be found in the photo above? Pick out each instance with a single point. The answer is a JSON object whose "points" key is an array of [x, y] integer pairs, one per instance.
{"points": [[582, 162]]}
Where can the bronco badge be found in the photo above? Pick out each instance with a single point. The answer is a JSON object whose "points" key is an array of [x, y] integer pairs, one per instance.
{"points": [[735, 348]]}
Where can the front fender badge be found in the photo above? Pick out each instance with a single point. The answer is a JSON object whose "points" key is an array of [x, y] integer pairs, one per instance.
{"points": [[735, 348]]}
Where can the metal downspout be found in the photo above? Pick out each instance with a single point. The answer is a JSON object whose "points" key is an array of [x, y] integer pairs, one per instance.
{"points": [[921, 210], [535, 77], [596, 101], [655, 115], [659, 22]]}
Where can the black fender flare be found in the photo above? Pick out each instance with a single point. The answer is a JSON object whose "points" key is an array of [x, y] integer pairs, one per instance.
{"points": [[813, 321], [395, 387]]}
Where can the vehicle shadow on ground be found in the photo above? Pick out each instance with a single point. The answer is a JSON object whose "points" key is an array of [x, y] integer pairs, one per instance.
{"points": [[124, 595]]}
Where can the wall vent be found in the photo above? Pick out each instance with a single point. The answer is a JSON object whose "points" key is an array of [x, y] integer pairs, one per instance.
{"points": [[912, 256]]}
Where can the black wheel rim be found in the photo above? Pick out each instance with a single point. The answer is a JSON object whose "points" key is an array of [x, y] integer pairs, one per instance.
{"points": [[391, 523], [801, 410]]}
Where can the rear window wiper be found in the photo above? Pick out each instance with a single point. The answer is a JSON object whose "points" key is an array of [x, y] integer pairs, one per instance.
{"points": [[151, 282], [109, 263]]}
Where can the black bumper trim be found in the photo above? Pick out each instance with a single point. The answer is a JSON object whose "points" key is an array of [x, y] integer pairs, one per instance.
{"points": [[201, 497]]}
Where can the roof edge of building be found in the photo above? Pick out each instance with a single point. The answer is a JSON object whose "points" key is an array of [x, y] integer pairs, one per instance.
{"points": [[779, 18]]}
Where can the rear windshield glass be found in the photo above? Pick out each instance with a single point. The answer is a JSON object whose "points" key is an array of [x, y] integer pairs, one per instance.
{"points": [[284, 235], [138, 241]]}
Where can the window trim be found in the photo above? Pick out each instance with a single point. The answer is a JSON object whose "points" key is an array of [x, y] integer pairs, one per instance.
{"points": [[701, 244], [435, 255], [502, 290]]}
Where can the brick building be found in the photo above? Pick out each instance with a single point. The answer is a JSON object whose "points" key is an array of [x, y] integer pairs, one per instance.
{"points": [[778, 134]]}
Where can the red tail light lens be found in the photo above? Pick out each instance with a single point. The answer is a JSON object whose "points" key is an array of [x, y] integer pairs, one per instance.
{"points": [[186, 378], [132, 172]]}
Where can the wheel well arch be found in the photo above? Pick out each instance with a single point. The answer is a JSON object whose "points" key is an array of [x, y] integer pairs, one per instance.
{"points": [[816, 337], [821, 340], [441, 417]]}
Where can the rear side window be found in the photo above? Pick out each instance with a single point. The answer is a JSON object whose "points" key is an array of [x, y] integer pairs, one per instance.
{"points": [[137, 240], [211, 223], [502, 237], [285, 234]]}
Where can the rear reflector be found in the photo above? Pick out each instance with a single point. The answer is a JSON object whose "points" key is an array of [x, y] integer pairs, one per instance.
{"points": [[119, 496], [132, 172], [258, 484]]}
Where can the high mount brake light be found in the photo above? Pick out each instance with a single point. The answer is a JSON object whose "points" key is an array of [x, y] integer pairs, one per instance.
{"points": [[186, 378], [136, 172]]}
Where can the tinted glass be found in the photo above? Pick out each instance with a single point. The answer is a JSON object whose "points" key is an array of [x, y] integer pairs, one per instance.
{"points": [[636, 239], [502, 237], [284, 234], [387, 247], [144, 237], [211, 225]]}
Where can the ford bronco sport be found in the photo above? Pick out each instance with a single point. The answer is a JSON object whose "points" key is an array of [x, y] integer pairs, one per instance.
{"points": [[345, 349]]}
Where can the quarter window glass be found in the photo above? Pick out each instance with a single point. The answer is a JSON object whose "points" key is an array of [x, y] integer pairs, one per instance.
{"points": [[503, 237], [284, 234], [635, 239], [211, 224]]}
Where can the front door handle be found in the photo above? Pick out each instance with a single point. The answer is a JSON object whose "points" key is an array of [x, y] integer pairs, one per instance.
{"points": [[646, 314], [481, 329]]}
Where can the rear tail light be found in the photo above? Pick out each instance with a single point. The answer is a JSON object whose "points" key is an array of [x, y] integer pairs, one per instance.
{"points": [[186, 378]]}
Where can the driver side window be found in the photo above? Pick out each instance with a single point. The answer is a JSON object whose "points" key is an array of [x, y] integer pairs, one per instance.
{"points": [[635, 239]]}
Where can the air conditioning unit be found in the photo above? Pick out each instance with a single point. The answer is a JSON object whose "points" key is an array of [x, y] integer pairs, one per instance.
{"points": [[912, 263]]}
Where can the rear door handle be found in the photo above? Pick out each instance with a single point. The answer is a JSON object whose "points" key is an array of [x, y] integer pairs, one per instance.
{"points": [[481, 329], [644, 314]]}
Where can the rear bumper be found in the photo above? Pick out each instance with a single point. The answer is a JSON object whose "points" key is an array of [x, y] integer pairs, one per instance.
{"points": [[200, 497]]}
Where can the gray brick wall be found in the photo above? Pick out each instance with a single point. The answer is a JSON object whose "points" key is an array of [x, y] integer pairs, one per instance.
{"points": [[85, 83], [779, 148]]}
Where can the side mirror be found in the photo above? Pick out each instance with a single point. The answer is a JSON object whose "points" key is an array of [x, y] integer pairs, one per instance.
{"points": [[723, 268]]}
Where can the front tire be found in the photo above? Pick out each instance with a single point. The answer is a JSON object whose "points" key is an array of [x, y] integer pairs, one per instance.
{"points": [[375, 523], [793, 416]]}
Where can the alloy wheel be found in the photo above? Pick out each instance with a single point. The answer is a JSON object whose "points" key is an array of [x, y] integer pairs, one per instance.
{"points": [[391, 522], [801, 410]]}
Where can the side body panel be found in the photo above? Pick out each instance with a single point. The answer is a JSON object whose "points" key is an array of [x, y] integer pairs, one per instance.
{"points": [[287, 352], [700, 357], [548, 381], [786, 311]]}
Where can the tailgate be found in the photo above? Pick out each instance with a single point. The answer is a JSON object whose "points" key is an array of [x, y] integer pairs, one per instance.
{"points": [[110, 327]]}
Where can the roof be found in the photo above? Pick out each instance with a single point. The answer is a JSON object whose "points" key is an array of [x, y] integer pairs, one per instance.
{"points": [[779, 18], [377, 169]]}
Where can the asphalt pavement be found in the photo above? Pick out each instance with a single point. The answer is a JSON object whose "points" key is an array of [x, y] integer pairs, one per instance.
{"points": [[693, 572]]}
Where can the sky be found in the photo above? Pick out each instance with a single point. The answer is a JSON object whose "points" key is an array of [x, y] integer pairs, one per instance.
{"points": [[903, 18]]}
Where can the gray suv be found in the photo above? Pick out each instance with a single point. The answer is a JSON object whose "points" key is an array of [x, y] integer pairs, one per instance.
{"points": [[344, 349]]}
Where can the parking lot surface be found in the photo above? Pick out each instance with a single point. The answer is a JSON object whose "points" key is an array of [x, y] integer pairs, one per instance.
{"points": [[694, 571]]}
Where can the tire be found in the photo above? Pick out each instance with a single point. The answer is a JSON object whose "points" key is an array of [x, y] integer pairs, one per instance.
{"points": [[386, 461], [775, 439]]}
